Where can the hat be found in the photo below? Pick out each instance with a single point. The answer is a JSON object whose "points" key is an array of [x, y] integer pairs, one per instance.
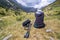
{"points": [[39, 11]]}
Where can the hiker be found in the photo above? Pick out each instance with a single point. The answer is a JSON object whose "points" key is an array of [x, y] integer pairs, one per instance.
{"points": [[39, 21]]}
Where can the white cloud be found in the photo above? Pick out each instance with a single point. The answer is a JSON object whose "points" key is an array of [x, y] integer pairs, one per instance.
{"points": [[21, 2], [42, 3]]}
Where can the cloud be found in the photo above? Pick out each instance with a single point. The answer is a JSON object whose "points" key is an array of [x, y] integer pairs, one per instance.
{"points": [[42, 3]]}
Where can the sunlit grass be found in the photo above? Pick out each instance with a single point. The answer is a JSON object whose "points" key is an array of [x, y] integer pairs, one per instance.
{"points": [[18, 32]]}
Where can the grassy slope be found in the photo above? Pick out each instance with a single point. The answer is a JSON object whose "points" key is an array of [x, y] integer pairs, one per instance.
{"points": [[52, 21]]}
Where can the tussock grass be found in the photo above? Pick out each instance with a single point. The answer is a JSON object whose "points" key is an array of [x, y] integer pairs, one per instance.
{"points": [[18, 31]]}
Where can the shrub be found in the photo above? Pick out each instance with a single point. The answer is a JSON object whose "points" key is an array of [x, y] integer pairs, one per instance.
{"points": [[8, 20]]}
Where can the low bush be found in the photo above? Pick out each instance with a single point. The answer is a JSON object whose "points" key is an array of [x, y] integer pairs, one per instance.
{"points": [[8, 20]]}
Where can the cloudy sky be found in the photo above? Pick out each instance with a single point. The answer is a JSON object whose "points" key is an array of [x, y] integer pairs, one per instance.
{"points": [[35, 3]]}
